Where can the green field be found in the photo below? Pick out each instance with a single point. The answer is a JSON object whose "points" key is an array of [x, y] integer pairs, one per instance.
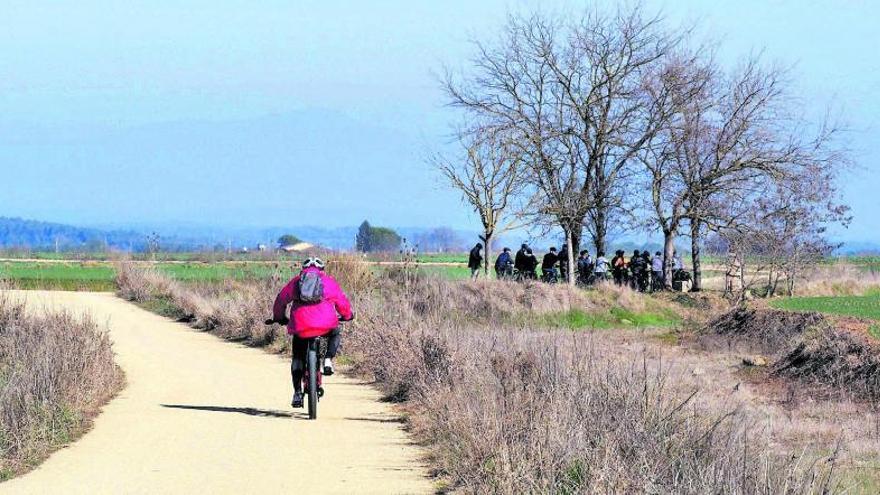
{"points": [[99, 276], [62, 276], [577, 319], [867, 306], [210, 257], [212, 272], [443, 258], [447, 271]]}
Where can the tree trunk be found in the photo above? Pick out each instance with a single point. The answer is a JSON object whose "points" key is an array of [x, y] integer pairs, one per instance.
{"points": [[569, 248], [487, 239], [576, 235], [668, 249], [600, 230], [695, 257]]}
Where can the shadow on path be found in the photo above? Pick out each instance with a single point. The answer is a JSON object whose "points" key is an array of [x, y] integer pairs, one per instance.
{"points": [[250, 411], [379, 420]]}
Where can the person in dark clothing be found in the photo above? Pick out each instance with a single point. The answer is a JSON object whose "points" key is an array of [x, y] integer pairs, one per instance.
{"points": [[548, 266], [530, 264], [645, 280], [584, 268], [520, 263], [637, 268], [475, 260], [618, 267], [562, 256], [504, 264]]}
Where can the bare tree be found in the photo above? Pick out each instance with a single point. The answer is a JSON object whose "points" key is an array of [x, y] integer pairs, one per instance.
{"points": [[784, 231], [488, 178], [567, 95], [761, 147], [607, 60], [681, 91], [514, 92], [730, 145]]}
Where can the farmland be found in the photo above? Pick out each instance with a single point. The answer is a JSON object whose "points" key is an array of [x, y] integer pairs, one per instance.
{"points": [[866, 306], [46, 272], [99, 275]]}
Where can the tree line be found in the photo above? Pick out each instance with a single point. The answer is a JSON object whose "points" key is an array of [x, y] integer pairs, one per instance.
{"points": [[371, 239], [613, 121]]}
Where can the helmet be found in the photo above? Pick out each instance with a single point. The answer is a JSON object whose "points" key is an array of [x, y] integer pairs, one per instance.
{"points": [[313, 261]]}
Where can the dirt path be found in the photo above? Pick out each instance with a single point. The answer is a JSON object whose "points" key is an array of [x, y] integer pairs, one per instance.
{"points": [[200, 415]]}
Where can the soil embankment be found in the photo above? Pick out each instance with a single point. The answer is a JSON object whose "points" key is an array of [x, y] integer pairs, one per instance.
{"points": [[835, 354]]}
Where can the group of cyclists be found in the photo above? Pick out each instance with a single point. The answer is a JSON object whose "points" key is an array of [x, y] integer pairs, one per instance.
{"points": [[641, 270]]}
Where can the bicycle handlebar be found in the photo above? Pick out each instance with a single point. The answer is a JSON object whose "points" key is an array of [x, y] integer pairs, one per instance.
{"points": [[271, 321]]}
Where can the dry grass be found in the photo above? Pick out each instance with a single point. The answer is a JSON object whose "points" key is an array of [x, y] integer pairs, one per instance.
{"points": [[838, 279], [525, 410], [504, 406], [56, 370]]}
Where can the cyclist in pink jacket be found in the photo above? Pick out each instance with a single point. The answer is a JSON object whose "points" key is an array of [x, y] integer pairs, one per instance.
{"points": [[313, 313]]}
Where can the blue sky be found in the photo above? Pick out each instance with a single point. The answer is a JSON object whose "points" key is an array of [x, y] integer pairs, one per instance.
{"points": [[155, 112]]}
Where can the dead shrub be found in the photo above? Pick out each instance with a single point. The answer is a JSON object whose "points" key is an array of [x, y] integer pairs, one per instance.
{"points": [[56, 370], [138, 283], [352, 273], [504, 410], [807, 347], [233, 310]]}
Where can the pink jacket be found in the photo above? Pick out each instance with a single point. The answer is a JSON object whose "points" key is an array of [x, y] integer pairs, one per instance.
{"points": [[315, 319]]}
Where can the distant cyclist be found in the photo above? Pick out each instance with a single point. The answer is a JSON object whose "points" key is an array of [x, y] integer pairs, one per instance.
{"points": [[504, 264], [548, 266], [317, 304]]}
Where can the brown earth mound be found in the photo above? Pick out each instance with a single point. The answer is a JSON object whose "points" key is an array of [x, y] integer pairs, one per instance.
{"points": [[769, 331], [841, 359], [835, 354]]}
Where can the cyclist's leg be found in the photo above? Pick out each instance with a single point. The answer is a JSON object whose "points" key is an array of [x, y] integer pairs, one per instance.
{"points": [[299, 348], [334, 339]]}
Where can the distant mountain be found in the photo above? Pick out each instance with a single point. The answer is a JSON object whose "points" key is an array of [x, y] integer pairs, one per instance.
{"points": [[37, 235], [850, 248], [19, 233]]}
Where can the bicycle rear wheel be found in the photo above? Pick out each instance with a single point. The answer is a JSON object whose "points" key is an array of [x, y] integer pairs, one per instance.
{"points": [[313, 378]]}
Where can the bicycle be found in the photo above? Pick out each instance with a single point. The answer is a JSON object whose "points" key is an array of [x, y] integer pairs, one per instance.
{"points": [[312, 380], [550, 276]]}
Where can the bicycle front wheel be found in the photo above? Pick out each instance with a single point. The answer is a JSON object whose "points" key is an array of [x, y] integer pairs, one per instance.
{"points": [[313, 379]]}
